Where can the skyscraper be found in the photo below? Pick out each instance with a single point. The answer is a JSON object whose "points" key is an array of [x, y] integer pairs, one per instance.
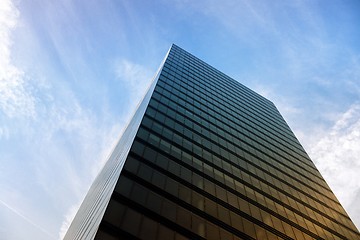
{"points": [[204, 157]]}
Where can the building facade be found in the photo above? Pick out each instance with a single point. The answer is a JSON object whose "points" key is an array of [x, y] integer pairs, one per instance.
{"points": [[205, 157]]}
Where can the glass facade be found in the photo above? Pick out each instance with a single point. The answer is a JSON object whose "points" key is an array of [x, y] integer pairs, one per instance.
{"points": [[212, 159]]}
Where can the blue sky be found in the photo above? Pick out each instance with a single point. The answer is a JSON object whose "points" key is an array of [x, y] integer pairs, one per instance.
{"points": [[72, 73]]}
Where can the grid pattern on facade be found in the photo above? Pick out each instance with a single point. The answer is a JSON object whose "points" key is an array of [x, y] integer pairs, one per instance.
{"points": [[214, 160]]}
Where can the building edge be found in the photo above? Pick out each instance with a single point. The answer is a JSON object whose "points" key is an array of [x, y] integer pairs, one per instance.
{"points": [[89, 215]]}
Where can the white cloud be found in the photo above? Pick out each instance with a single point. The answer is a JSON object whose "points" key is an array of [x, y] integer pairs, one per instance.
{"points": [[136, 77], [135, 80], [337, 157], [15, 95], [4, 132], [8, 19]]}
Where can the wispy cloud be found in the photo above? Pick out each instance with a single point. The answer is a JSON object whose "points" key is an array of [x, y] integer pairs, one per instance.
{"points": [[49, 235], [15, 95], [75, 144], [50, 141], [65, 149], [68, 218], [136, 78], [337, 157]]}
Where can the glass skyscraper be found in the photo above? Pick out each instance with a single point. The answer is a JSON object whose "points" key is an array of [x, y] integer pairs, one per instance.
{"points": [[204, 157]]}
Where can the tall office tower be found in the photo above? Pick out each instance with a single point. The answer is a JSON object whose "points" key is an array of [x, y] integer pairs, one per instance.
{"points": [[207, 158]]}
